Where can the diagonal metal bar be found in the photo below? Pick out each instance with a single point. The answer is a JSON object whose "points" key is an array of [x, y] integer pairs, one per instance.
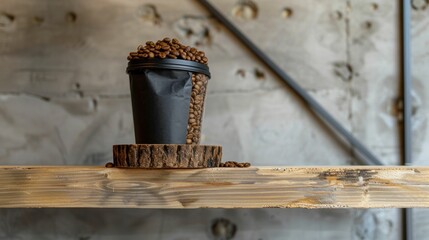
{"points": [[367, 157], [407, 214]]}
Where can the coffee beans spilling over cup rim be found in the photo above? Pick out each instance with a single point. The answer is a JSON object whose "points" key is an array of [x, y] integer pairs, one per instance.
{"points": [[234, 164], [168, 48]]}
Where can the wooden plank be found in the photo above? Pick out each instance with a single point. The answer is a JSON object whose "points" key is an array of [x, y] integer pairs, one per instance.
{"points": [[262, 187]]}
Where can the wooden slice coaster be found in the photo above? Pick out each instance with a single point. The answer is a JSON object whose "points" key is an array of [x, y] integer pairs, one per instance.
{"points": [[166, 156]]}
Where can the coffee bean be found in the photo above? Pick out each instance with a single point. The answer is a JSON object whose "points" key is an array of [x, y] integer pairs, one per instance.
{"points": [[109, 165], [151, 55], [234, 164], [166, 39]]}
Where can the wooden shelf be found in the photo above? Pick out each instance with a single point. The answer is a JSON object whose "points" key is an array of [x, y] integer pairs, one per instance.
{"points": [[255, 187]]}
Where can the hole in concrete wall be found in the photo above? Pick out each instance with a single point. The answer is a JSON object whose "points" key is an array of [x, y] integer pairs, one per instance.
{"points": [[344, 71], [205, 37], [149, 14], [419, 4], [8, 17], [368, 25], [189, 33], [241, 73], [260, 75], [245, 10], [337, 15], [374, 6], [92, 104], [44, 98], [287, 12], [71, 17], [77, 86], [38, 20], [7, 21], [414, 110], [223, 229], [195, 28]]}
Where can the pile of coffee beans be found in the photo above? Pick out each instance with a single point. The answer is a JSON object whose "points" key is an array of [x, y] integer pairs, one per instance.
{"points": [[196, 107], [168, 48], [234, 164]]}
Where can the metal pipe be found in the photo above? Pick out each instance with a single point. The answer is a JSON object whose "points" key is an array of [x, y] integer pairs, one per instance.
{"points": [[406, 82], [407, 105], [368, 157]]}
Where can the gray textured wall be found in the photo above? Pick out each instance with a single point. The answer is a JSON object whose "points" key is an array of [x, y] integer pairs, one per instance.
{"points": [[64, 99]]}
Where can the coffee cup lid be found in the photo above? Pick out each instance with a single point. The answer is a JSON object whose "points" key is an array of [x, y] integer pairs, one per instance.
{"points": [[168, 63]]}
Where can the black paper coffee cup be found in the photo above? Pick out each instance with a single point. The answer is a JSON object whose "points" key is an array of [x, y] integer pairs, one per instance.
{"points": [[161, 95]]}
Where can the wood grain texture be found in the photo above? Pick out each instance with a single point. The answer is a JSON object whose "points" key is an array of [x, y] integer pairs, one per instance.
{"points": [[166, 156], [262, 187]]}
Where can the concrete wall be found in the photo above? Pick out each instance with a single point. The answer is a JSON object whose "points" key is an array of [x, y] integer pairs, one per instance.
{"points": [[64, 99]]}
